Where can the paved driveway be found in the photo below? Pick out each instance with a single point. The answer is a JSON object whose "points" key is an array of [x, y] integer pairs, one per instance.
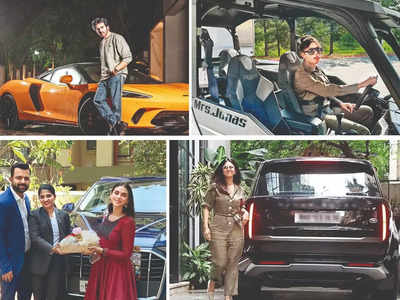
{"points": [[294, 294]]}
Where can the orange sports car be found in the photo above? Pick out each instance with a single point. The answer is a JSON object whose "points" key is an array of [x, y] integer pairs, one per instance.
{"points": [[65, 95]]}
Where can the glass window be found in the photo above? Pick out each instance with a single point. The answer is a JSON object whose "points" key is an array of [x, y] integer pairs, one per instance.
{"points": [[76, 77], [320, 184], [47, 76], [91, 145]]}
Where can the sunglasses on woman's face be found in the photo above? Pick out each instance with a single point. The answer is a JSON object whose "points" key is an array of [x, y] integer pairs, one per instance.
{"points": [[312, 51], [229, 167]]}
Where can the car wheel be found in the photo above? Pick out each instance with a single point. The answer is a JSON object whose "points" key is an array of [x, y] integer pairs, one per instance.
{"points": [[386, 295], [248, 288], [390, 294], [89, 119], [359, 294], [10, 113]]}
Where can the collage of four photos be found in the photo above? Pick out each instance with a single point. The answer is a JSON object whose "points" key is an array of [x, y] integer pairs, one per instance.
{"points": [[201, 150]]}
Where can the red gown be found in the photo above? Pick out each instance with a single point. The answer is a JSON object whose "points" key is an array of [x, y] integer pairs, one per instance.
{"points": [[112, 277]]}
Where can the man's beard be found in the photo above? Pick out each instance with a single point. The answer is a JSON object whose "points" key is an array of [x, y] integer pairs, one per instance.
{"points": [[20, 188]]}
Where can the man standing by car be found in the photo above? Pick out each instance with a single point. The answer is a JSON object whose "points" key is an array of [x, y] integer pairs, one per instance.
{"points": [[115, 56], [14, 236]]}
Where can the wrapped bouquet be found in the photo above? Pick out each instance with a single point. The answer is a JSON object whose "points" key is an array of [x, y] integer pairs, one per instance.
{"points": [[79, 241]]}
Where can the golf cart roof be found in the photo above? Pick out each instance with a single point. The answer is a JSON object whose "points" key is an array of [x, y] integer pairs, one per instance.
{"points": [[231, 13]]}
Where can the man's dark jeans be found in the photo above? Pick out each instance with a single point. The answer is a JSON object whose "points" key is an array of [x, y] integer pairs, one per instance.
{"points": [[111, 87]]}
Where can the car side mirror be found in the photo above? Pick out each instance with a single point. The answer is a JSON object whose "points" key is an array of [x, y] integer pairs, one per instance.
{"points": [[67, 79], [68, 207]]}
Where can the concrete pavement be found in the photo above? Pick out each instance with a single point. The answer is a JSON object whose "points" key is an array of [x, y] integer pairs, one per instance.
{"points": [[275, 294]]}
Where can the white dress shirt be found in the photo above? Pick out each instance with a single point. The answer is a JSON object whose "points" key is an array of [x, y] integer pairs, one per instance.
{"points": [[54, 226], [24, 215]]}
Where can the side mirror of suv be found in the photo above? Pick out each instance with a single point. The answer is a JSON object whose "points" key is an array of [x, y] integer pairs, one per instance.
{"points": [[68, 207]]}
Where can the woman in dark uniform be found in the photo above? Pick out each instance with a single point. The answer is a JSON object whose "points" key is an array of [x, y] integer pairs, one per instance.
{"points": [[48, 226], [225, 233]]}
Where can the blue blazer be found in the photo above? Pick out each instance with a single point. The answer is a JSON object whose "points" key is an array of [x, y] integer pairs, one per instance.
{"points": [[12, 235]]}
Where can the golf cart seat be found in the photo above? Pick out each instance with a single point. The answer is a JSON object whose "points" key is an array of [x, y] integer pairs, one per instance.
{"points": [[250, 92], [293, 113], [225, 57], [289, 62]]}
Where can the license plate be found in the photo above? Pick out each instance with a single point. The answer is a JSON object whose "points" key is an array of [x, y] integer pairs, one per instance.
{"points": [[83, 285], [318, 217]]}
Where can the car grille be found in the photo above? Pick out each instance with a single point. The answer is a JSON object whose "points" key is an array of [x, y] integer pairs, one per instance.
{"points": [[152, 272]]}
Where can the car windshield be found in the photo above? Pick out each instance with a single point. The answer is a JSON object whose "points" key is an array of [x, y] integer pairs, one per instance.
{"points": [[266, 39], [156, 228], [319, 182], [149, 197], [91, 71]]}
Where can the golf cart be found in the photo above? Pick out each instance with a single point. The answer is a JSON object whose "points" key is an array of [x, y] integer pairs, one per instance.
{"points": [[224, 81]]}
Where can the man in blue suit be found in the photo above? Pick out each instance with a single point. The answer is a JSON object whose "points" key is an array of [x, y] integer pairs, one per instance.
{"points": [[14, 236]]}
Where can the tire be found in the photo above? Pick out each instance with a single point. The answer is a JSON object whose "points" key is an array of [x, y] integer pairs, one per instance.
{"points": [[386, 295], [360, 294], [10, 113], [89, 119], [392, 293], [249, 288]]}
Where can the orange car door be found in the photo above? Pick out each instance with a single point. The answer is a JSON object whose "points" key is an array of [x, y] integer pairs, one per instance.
{"points": [[60, 101]]}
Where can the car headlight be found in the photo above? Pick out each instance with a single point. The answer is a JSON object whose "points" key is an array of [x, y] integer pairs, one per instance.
{"points": [[130, 94], [162, 249]]}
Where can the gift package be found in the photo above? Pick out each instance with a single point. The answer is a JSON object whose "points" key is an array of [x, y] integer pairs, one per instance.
{"points": [[79, 241]]}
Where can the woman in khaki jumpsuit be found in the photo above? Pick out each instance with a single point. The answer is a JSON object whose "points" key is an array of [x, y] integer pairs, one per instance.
{"points": [[225, 233]]}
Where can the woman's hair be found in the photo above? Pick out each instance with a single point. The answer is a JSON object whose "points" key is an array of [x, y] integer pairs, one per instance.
{"points": [[48, 187], [218, 176], [130, 209], [305, 41]]}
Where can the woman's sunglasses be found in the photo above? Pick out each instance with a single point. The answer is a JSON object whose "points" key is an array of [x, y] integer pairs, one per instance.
{"points": [[229, 167], [312, 51]]}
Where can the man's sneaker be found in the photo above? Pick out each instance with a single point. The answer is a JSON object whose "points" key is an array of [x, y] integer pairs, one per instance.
{"points": [[121, 126], [113, 130]]}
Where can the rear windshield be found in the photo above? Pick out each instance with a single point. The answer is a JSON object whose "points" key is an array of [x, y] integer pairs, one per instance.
{"points": [[319, 181]]}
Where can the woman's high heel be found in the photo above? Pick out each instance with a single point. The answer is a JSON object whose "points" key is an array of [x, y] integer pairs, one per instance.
{"points": [[210, 292]]}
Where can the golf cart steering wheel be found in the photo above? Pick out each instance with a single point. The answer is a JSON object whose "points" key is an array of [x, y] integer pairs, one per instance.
{"points": [[363, 97]]}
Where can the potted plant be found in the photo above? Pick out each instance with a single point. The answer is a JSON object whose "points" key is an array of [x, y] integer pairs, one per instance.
{"points": [[197, 265]]}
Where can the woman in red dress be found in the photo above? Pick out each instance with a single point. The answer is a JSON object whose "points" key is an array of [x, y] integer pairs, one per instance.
{"points": [[111, 276]]}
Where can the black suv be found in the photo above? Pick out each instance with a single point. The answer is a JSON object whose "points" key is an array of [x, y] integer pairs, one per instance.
{"points": [[319, 222]]}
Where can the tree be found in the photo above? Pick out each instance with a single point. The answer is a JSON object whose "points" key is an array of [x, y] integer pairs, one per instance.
{"points": [[40, 155], [272, 36], [250, 153], [148, 157], [60, 30], [266, 52]]}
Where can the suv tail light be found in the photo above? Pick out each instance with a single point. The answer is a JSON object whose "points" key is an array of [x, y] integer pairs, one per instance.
{"points": [[383, 215], [251, 221], [254, 221]]}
